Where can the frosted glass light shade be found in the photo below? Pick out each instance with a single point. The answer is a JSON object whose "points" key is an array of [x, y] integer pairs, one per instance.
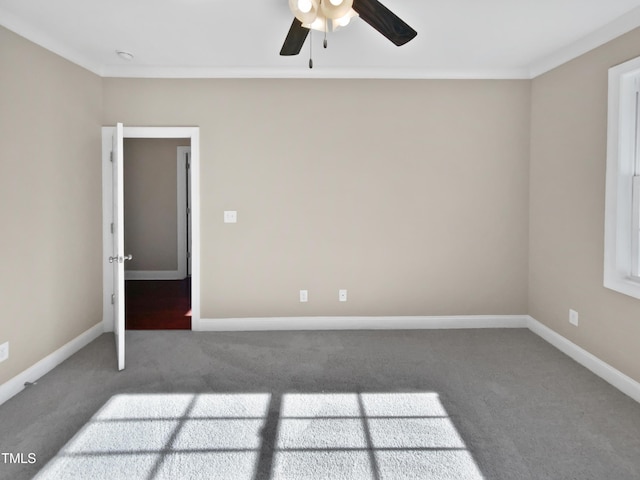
{"points": [[344, 20], [305, 5], [319, 24], [333, 11], [308, 16]]}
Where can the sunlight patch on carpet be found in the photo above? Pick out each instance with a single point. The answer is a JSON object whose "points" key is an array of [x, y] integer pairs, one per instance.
{"points": [[289, 436], [369, 436], [166, 436]]}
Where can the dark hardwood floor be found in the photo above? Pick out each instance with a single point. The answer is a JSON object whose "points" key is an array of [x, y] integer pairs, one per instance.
{"points": [[158, 304]]}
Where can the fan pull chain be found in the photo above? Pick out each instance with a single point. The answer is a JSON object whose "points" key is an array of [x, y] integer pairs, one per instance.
{"points": [[325, 33], [310, 48], [326, 21]]}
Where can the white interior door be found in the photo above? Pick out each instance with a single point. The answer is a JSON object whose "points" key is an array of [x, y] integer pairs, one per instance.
{"points": [[117, 258]]}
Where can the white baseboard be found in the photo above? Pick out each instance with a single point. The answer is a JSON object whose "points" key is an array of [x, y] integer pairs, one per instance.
{"points": [[608, 373], [602, 369], [360, 323], [48, 363], [152, 275]]}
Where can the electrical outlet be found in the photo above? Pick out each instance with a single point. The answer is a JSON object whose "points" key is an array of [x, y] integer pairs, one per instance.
{"points": [[304, 295], [573, 317], [4, 351], [342, 295]]}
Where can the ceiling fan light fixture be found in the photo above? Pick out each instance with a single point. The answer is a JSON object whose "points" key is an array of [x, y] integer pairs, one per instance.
{"points": [[334, 9], [340, 12], [305, 6], [304, 10], [344, 20], [319, 24]]}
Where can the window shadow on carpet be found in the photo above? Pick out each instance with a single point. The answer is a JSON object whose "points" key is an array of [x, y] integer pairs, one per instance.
{"points": [[251, 436]]}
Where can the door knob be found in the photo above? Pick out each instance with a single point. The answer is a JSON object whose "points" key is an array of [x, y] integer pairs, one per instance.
{"points": [[120, 259]]}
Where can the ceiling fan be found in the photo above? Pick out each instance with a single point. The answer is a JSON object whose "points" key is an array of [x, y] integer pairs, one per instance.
{"points": [[314, 14]]}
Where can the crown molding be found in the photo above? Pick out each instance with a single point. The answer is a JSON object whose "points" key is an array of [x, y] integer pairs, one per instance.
{"points": [[303, 72], [616, 28]]}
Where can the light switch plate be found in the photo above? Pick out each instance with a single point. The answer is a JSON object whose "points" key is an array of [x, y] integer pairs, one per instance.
{"points": [[573, 317], [4, 351], [230, 216]]}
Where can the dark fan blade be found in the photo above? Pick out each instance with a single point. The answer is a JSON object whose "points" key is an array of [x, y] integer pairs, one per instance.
{"points": [[295, 38], [384, 21]]}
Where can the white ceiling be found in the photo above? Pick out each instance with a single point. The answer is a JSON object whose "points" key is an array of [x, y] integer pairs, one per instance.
{"points": [[226, 38]]}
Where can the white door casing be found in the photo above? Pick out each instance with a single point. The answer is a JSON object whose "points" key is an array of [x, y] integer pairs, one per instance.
{"points": [[191, 133]]}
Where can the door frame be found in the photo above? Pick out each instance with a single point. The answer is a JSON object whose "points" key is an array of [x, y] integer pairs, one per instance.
{"points": [[191, 133]]}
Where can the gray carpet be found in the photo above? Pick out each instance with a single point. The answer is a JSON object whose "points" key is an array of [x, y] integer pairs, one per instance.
{"points": [[463, 404]]}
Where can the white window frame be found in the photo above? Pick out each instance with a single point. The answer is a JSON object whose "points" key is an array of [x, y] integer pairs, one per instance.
{"points": [[622, 204]]}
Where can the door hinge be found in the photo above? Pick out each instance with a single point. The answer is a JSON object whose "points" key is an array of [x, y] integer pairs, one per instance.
{"points": [[113, 299], [188, 210], [111, 156], [188, 254], [112, 227]]}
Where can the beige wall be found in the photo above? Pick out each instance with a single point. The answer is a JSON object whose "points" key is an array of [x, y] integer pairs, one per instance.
{"points": [[568, 158], [419, 197], [413, 195], [50, 204], [150, 192]]}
